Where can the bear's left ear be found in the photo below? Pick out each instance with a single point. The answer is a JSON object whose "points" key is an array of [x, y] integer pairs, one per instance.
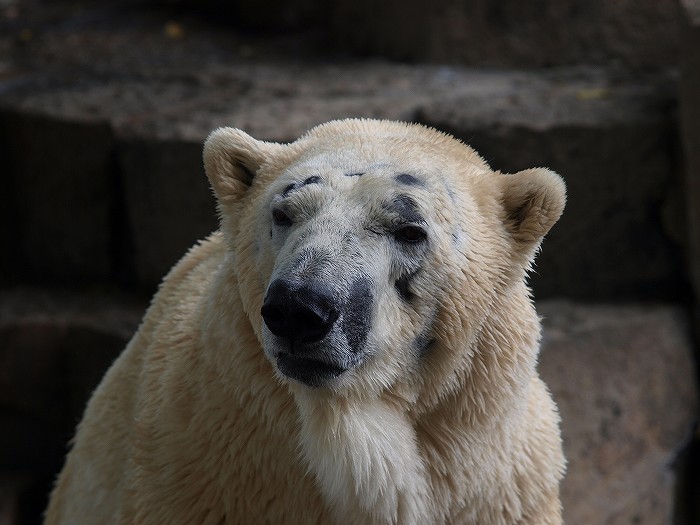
{"points": [[534, 200], [232, 159]]}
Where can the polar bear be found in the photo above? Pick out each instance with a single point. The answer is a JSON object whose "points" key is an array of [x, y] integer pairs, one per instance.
{"points": [[356, 345]]}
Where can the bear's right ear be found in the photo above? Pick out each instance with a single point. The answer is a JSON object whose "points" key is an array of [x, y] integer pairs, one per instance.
{"points": [[231, 160]]}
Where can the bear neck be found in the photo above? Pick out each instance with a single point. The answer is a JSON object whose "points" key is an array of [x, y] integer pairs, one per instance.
{"points": [[373, 453]]}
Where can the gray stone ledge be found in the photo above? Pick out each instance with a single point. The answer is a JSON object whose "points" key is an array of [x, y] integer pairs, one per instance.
{"points": [[276, 101], [624, 379]]}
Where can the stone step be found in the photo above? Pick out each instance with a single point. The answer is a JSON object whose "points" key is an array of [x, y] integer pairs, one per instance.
{"points": [[103, 144], [690, 125], [506, 33], [621, 374], [637, 33], [54, 348], [624, 379]]}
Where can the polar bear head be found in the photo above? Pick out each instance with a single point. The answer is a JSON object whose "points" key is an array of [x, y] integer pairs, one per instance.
{"points": [[370, 253]]}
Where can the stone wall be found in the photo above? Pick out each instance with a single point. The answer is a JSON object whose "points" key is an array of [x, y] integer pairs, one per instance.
{"points": [[103, 111], [504, 33], [690, 125], [690, 121], [116, 213], [513, 33]]}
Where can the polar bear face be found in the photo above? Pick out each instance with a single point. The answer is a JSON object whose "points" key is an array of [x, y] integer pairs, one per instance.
{"points": [[351, 249], [367, 251]]}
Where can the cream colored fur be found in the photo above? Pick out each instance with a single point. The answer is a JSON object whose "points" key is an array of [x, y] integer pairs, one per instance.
{"points": [[193, 424]]}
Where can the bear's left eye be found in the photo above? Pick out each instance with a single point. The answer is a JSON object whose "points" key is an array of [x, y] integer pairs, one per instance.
{"points": [[280, 218], [411, 234]]}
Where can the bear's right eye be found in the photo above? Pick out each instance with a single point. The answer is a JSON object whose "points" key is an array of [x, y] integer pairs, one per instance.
{"points": [[280, 218], [410, 234]]}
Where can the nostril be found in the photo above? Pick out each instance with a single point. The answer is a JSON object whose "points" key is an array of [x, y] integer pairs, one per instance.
{"points": [[274, 318], [312, 325]]}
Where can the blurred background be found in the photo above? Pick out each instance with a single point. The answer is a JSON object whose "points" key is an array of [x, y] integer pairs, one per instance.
{"points": [[104, 107]]}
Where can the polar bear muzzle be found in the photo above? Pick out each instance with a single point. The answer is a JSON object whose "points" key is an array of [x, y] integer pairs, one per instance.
{"points": [[302, 314], [317, 332]]}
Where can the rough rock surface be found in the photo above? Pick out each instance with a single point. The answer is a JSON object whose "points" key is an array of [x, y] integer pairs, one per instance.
{"points": [[137, 115], [511, 32], [62, 198], [690, 126], [624, 379], [690, 129], [168, 203], [54, 349], [103, 110]]}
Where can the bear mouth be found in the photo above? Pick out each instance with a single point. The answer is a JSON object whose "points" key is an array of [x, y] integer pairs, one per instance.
{"points": [[311, 372]]}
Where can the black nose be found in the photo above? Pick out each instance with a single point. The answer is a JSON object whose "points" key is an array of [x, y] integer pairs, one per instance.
{"points": [[302, 313]]}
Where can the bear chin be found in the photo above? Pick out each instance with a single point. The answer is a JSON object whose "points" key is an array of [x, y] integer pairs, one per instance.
{"points": [[325, 363], [311, 372]]}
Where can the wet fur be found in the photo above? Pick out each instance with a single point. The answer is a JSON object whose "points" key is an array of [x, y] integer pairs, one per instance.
{"points": [[444, 421]]}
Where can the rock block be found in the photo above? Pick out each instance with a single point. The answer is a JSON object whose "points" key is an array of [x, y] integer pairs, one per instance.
{"points": [[9, 499], [623, 377], [62, 200], [610, 135], [54, 349], [614, 145], [690, 128], [168, 204], [512, 33]]}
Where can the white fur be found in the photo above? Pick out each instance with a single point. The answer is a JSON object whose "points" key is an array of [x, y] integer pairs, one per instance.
{"points": [[440, 416], [366, 457]]}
